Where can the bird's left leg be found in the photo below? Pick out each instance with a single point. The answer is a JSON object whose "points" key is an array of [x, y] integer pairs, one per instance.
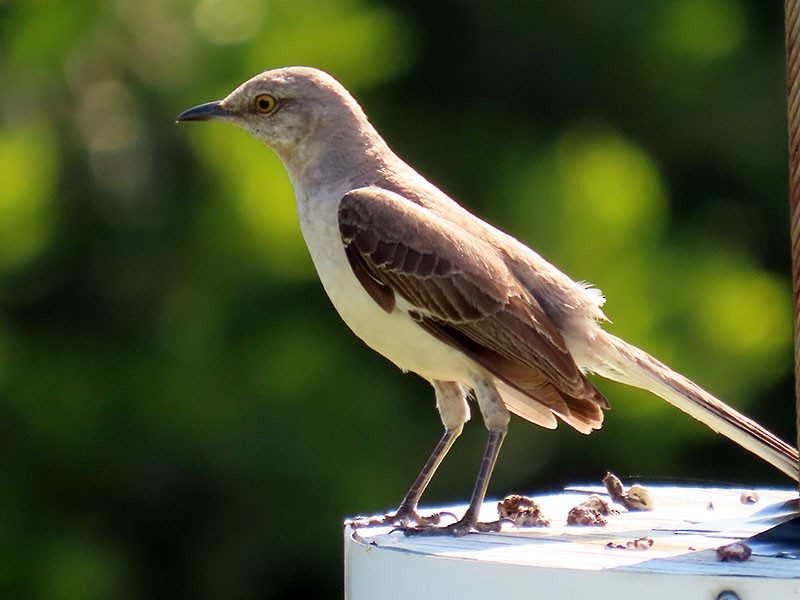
{"points": [[454, 412], [496, 417]]}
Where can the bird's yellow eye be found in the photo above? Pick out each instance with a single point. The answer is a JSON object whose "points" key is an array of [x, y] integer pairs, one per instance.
{"points": [[265, 103]]}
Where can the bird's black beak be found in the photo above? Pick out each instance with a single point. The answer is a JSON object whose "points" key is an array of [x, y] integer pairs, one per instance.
{"points": [[205, 112]]}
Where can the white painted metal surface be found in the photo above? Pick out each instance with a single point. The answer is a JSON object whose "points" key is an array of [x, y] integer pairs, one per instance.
{"points": [[562, 560]]}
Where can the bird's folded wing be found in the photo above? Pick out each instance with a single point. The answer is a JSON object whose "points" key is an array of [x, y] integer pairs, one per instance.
{"points": [[462, 292]]}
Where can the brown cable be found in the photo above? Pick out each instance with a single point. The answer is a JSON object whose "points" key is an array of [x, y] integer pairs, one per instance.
{"points": [[792, 15]]}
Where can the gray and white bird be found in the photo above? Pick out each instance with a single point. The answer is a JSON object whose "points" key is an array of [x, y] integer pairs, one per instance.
{"points": [[443, 294]]}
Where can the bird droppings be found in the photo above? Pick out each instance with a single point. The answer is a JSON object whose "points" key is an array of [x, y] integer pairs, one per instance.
{"points": [[642, 543], [584, 515], [522, 511], [735, 552], [749, 497], [601, 506], [589, 512], [636, 498]]}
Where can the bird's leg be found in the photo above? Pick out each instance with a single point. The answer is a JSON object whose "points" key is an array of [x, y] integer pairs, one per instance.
{"points": [[496, 417], [407, 511], [469, 521], [454, 411]]}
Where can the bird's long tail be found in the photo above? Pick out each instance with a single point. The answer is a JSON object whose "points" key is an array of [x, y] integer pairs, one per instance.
{"points": [[628, 364]]}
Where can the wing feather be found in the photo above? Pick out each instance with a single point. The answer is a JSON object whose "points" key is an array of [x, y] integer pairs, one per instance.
{"points": [[465, 295]]}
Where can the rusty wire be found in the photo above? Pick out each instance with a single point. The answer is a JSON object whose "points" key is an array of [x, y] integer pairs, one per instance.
{"points": [[792, 16]]}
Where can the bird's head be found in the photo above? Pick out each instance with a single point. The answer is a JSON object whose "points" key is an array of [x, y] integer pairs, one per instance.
{"points": [[293, 110]]}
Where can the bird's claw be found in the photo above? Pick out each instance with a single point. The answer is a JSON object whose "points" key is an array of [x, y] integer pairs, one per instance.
{"points": [[403, 519], [457, 529]]}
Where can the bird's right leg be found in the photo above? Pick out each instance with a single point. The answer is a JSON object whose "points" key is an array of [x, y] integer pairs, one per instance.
{"points": [[454, 411]]}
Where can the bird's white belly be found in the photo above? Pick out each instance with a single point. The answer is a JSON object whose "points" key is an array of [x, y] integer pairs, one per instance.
{"points": [[394, 335]]}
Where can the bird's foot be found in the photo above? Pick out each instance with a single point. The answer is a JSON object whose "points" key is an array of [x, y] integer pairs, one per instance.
{"points": [[457, 529], [403, 518]]}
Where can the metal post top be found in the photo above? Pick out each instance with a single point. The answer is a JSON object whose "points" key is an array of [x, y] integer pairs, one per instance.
{"points": [[684, 530]]}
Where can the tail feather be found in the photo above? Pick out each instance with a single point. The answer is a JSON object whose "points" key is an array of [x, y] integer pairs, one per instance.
{"points": [[628, 364]]}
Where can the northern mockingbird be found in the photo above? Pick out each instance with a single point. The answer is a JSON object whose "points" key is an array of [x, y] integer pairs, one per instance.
{"points": [[440, 292]]}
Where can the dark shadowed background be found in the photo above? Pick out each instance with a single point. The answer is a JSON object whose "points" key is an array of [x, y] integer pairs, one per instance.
{"points": [[183, 415]]}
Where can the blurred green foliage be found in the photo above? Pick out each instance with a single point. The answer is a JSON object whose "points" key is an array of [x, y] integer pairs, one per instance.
{"points": [[181, 412]]}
